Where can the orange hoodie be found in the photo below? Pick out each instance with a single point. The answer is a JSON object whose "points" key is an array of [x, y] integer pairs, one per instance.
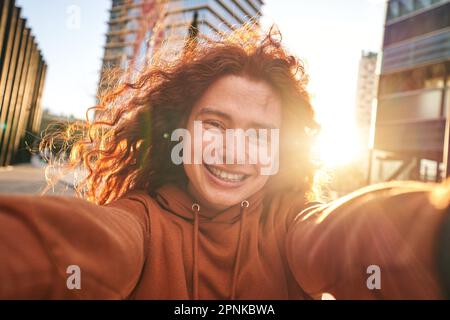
{"points": [[166, 246]]}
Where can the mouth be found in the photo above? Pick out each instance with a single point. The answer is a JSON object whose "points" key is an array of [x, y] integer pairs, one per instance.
{"points": [[227, 177]]}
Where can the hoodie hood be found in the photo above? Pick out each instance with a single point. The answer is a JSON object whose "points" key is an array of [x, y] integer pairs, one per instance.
{"points": [[177, 201]]}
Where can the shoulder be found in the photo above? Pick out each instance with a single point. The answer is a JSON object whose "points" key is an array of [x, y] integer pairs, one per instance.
{"points": [[285, 206], [137, 203]]}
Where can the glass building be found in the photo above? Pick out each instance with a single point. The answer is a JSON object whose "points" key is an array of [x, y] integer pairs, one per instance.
{"points": [[366, 93], [413, 95], [131, 23], [365, 96], [22, 77]]}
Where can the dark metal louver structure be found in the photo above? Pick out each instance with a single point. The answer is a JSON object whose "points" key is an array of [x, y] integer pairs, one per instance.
{"points": [[22, 77]]}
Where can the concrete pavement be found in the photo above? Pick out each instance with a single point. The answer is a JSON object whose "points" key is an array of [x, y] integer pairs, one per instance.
{"points": [[29, 179]]}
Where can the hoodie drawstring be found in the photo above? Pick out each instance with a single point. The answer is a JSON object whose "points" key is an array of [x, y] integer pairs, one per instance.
{"points": [[237, 261], [196, 210]]}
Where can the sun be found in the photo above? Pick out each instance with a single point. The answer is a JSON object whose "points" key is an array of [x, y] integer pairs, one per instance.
{"points": [[338, 143]]}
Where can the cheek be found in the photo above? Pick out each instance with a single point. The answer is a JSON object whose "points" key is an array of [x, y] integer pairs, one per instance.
{"points": [[193, 171], [259, 181], [269, 158]]}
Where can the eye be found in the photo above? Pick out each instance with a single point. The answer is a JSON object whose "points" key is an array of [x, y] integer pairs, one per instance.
{"points": [[216, 124]]}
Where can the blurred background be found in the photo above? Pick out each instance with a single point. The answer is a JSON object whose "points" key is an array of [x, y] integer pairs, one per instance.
{"points": [[379, 75]]}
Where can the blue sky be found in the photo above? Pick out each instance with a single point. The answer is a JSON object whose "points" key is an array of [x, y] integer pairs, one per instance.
{"points": [[328, 34], [72, 50]]}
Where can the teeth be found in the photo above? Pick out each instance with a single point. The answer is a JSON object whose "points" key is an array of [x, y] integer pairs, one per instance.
{"points": [[226, 175]]}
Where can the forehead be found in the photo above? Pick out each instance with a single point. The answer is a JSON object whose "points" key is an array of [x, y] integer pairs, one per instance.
{"points": [[243, 99]]}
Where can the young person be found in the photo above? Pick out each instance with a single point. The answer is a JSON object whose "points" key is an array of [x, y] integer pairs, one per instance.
{"points": [[152, 228]]}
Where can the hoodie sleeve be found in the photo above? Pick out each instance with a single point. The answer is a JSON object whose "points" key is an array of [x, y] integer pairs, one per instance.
{"points": [[378, 243], [68, 248]]}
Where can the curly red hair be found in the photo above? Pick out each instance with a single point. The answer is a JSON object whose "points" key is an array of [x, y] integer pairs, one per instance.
{"points": [[128, 145]]}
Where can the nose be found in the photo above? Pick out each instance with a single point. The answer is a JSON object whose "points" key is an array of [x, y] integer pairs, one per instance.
{"points": [[240, 148]]}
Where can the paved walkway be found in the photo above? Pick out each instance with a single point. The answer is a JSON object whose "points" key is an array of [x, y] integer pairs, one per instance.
{"points": [[29, 179]]}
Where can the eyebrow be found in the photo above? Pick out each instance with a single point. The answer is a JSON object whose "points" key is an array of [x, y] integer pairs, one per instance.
{"points": [[214, 112], [229, 118]]}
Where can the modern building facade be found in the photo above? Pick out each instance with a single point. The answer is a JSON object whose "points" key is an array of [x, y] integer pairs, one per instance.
{"points": [[366, 94], [132, 24], [413, 96], [22, 77]]}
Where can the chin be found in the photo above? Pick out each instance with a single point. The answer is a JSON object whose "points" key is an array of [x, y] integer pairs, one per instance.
{"points": [[225, 188], [221, 199]]}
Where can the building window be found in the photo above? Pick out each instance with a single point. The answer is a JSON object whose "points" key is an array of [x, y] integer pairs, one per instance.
{"points": [[132, 25], [393, 10], [406, 6], [118, 3], [134, 12], [130, 37], [428, 21], [427, 77], [398, 8]]}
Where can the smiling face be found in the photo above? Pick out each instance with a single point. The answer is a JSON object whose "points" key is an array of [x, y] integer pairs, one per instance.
{"points": [[232, 102]]}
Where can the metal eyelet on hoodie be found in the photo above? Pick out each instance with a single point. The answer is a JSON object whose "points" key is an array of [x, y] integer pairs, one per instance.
{"points": [[196, 207], [245, 204]]}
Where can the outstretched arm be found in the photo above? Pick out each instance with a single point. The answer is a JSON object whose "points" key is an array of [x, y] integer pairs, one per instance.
{"points": [[381, 242], [40, 237]]}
